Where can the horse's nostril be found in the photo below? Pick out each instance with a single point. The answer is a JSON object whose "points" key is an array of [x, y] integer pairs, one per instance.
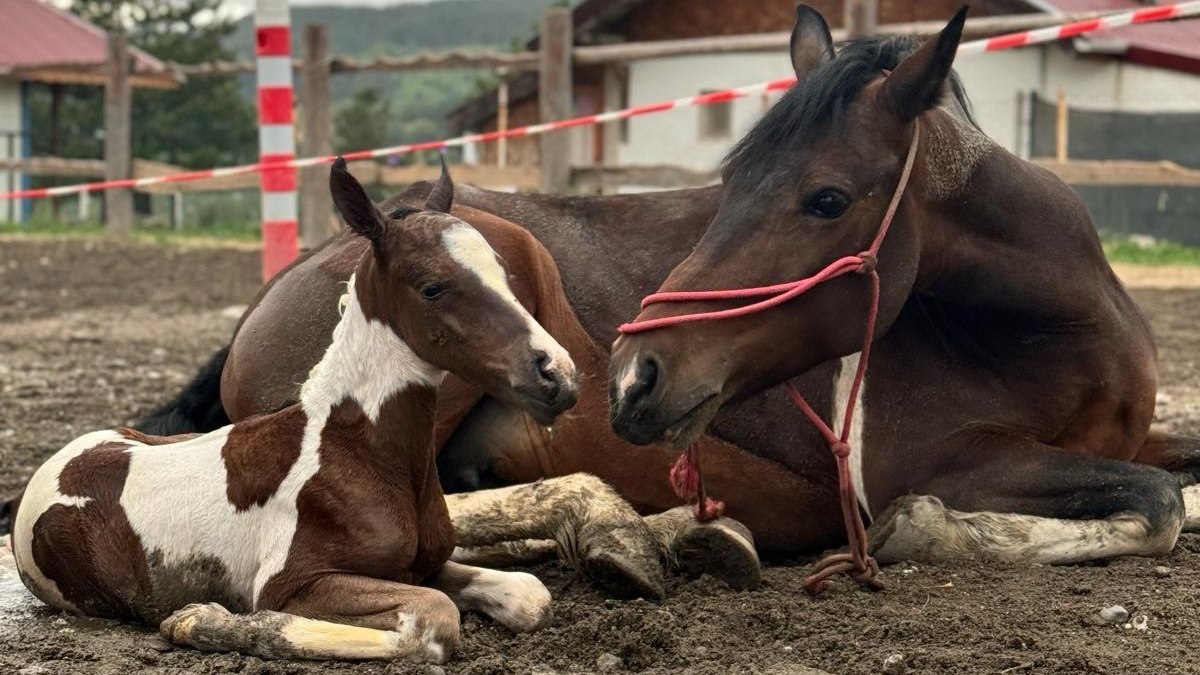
{"points": [[542, 361], [647, 376]]}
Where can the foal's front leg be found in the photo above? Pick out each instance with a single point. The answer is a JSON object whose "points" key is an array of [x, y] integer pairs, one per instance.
{"points": [[515, 599], [339, 616]]}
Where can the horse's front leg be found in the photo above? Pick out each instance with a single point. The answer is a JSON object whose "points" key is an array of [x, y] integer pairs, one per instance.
{"points": [[517, 600], [1020, 501], [339, 616], [588, 521]]}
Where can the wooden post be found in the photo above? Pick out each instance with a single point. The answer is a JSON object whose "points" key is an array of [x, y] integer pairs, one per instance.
{"points": [[177, 211], [316, 96], [861, 17], [118, 155], [56, 91], [502, 118], [554, 96], [1060, 127]]}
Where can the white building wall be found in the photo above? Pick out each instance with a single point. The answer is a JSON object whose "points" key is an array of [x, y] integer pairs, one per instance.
{"points": [[998, 85], [10, 122], [674, 137]]}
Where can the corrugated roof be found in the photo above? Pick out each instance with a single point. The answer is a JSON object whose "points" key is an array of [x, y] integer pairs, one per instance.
{"points": [[36, 35], [1174, 44]]}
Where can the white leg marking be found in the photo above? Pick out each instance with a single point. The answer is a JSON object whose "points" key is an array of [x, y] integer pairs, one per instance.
{"points": [[517, 600], [841, 396], [1191, 506], [922, 528]]}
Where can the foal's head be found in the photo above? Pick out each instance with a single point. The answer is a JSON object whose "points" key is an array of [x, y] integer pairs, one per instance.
{"points": [[807, 186], [438, 285]]}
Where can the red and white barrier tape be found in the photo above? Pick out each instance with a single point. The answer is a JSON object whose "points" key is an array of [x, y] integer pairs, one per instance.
{"points": [[1000, 42]]}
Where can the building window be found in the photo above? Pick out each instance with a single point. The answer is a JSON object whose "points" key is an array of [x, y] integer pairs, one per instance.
{"points": [[716, 119]]}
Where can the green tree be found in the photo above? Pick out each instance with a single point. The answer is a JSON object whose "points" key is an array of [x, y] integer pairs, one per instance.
{"points": [[362, 124], [205, 122]]}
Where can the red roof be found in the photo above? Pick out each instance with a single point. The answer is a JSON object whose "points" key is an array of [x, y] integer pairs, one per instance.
{"points": [[1170, 44], [34, 34]]}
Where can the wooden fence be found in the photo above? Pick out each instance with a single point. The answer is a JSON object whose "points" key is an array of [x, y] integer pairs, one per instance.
{"points": [[553, 62]]}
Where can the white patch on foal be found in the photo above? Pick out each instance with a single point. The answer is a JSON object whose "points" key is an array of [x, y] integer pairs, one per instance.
{"points": [[842, 384], [922, 528], [469, 249]]}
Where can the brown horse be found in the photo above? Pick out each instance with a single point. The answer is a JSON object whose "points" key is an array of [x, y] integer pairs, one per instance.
{"points": [[1007, 409], [322, 527], [772, 468]]}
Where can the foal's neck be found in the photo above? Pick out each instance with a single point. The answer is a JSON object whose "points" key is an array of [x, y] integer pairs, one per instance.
{"points": [[370, 379]]}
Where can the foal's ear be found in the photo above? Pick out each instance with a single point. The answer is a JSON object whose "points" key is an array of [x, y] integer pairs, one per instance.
{"points": [[811, 43], [441, 197], [916, 85], [352, 201]]}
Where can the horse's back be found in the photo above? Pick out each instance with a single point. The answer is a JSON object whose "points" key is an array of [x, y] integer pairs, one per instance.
{"points": [[105, 528]]}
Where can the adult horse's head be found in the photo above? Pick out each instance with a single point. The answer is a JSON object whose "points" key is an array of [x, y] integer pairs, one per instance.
{"points": [[808, 185], [434, 281]]}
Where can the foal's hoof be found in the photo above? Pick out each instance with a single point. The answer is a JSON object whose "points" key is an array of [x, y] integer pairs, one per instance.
{"points": [[193, 625], [623, 571], [723, 549]]}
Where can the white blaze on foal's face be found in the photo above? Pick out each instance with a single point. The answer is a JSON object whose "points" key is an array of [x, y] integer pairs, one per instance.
{"points": [[468, 248]]}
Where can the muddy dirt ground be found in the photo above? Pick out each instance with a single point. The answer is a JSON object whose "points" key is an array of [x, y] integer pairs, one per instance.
{"points": [[93, 333]]}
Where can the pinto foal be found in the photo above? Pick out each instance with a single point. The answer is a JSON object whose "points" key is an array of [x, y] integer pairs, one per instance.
{"points": [[319, 531]]}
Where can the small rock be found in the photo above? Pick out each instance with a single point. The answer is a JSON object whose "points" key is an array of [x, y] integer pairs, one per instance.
{"points": [[788, 648], [1162, 571], [158, 353], [158, 644], [1114, 614], [34, 670], [894, 664], [434, 670], [1141, 622], [608, 663]]}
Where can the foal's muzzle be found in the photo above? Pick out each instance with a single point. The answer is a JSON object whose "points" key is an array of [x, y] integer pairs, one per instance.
{"points": [[548, 388]]}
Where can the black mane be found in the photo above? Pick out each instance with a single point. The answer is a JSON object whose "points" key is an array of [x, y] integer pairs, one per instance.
{"points": [[822, 98]]}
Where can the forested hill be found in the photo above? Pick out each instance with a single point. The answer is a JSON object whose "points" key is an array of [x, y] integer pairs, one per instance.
{"points": [[405, 28], [416, 102]]}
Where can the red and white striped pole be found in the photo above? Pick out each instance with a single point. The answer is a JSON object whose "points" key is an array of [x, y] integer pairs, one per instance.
{"points": [[276, 134]]}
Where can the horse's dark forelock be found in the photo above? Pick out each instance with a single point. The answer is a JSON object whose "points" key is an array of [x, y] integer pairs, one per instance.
{"points": [[819, 99]]}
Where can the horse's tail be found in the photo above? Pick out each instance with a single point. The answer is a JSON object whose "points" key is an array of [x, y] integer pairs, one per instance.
{"points": [[195, 409]]}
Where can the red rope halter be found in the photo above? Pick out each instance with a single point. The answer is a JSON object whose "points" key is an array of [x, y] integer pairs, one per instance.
{"points": [[858, 563]]}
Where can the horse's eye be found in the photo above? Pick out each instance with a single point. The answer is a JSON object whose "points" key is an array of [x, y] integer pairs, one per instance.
{"points": [[828, 204], [432, 291]]}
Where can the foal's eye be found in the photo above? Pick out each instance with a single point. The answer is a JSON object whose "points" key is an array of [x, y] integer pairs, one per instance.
{"points": [[432, 291], [829, 204]]}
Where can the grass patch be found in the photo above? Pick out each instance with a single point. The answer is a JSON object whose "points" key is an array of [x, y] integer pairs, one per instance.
{"points": [[1149, 251]]}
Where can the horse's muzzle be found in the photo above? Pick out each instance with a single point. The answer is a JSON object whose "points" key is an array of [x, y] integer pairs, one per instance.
{"points": [[549, 390]]}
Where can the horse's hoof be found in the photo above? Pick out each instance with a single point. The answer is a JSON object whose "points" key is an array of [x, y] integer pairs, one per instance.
{"points": [[190, 625], [623, 575], [723, 549]]}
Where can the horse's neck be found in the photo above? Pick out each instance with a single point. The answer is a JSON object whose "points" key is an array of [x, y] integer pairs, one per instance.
{"points": [[997, 233], [371, 382]]}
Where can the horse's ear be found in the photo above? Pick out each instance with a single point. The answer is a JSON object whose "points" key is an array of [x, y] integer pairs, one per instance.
{"points": [[352, 201], [917, 84], [441, 197], [811, 43]]}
